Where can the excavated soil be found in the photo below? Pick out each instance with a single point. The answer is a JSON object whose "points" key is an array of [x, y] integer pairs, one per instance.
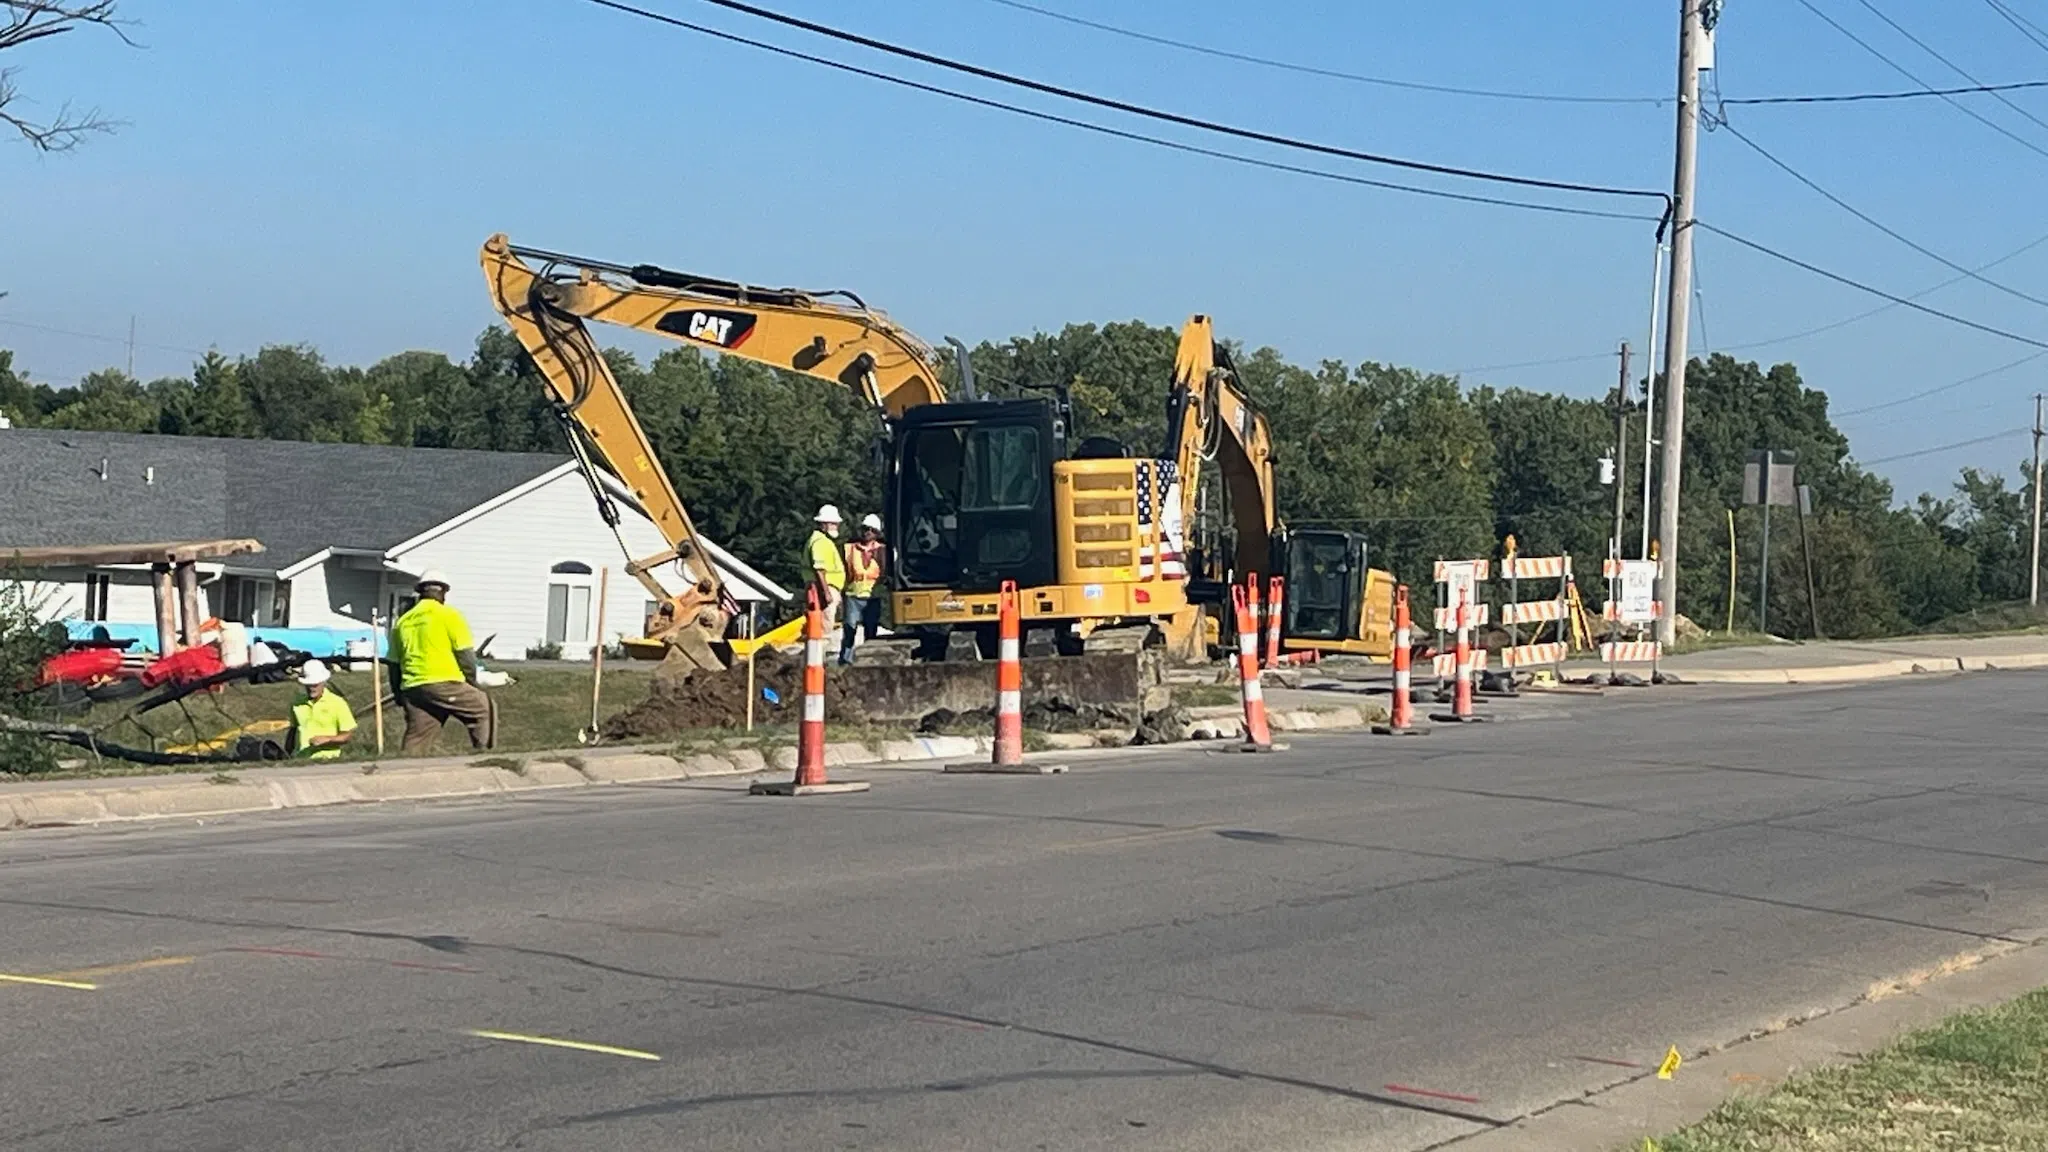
{"points": [[703, 699]]}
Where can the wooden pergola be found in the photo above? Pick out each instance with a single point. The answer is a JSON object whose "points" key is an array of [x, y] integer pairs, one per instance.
{"points": [[175, 565]]}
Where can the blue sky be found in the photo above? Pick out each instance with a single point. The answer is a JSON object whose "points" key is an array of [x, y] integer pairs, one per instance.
{"points": [[324, 173]]}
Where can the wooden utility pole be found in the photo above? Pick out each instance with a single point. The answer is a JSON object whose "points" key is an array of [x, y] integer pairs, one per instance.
{"points": [[1677, 307]]}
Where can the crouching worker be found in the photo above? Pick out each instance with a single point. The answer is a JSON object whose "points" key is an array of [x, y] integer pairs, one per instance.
{"points": [[321, 720], [437, 670]]}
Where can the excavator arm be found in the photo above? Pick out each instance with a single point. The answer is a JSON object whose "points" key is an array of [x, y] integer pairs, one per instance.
{"points": [[1210, 421], [547, 307]]}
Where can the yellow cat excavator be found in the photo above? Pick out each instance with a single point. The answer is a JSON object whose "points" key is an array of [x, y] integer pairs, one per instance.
{"points": [[978, 491]]}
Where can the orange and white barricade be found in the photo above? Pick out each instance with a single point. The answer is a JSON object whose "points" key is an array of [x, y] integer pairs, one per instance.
{"points": [[1244, 599], [1276, 595], [810, 742], [1457, 582], [1007, 757], [1631, 599], [1515, 613], [1461, 695]]}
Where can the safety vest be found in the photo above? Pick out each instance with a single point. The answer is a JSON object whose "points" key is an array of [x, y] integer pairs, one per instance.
{"points": [[863, 568]]}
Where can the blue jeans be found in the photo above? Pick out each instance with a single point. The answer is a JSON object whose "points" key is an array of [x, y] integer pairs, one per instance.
{"points": [[857, 613]]}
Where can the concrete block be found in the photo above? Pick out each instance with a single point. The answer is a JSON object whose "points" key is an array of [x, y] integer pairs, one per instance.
{"points": [[551, 774], [709, 764], [52, 808], [314, 790], [747, 760], [630, 768]]}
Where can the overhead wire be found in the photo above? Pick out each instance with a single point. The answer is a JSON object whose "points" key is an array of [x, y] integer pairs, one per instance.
{"points": [[1860, 286], [1121, 133], [1328, 73], [1852, 210], [1909, 74], [2032, 31], [1958, 69], [99, 336], [2009, 432], [1911, 94], [1848, 413], [1139, 110]]}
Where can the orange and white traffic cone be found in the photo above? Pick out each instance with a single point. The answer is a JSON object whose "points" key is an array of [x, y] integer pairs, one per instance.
{"points": [[1401, 720], [1276, 593], [810, 740], [1461, 696], [1008, 756], [1258, 736]]}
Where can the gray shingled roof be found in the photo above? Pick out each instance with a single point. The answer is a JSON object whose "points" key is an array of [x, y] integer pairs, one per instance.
{"points": [[296, 498]]}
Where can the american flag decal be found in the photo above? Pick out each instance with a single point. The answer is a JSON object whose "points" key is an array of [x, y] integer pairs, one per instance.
{"points": [[1159, 505]]}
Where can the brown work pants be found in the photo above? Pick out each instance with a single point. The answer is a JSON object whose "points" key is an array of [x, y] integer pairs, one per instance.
{"points": [[428, 706]]}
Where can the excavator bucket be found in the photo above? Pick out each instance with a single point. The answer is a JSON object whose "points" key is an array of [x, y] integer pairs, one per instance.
{"points": [[690, 650]]}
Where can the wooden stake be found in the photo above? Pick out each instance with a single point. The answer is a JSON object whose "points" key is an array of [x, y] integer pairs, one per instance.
{"points": [[604, 576], [377, 677]]}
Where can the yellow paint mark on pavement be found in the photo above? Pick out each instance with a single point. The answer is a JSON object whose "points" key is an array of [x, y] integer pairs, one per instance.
{"points": [[48, 982], [553, 1042], [1669, 1067], [117, 969]]}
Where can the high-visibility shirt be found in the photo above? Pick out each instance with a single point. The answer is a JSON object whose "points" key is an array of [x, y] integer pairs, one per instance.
{"points": [[427, 638], [825, 558], [863, 568], [330, 715]]}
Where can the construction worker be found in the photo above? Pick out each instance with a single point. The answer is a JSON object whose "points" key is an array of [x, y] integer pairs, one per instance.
{"points": [[863, 609], [436, 662], [321, 720], [827, 564]]}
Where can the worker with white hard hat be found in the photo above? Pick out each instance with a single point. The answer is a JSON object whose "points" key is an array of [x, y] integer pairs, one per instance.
{"points": [[863, 575], [827, 564], [321, 720], [436, 661]]}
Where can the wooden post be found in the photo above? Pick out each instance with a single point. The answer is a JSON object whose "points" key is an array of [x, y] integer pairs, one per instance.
{"points": [[189, 602], [604, 576], [751, 650], [166, 609]]}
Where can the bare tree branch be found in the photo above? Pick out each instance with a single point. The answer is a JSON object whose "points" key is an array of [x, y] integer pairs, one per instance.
{"points": [[23, 21]]}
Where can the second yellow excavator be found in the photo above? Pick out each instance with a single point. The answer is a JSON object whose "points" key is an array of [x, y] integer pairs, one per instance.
{"points": [[978, 492]]}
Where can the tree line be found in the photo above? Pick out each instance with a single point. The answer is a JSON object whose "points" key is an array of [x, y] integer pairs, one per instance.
{"points": [[1425, 466]]}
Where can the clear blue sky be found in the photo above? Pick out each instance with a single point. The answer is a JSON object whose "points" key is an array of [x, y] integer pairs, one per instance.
{"points": [[325, 173]]}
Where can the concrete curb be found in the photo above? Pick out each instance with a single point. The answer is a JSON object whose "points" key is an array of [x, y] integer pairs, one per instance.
{"points": [[264, 789], [1642, 1107], [1869, 670]]}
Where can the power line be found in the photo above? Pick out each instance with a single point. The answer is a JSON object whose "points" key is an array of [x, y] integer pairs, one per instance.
{"points": [[1852, 210], [98, 336], [1123, 134], [1912, 94], [2032, 31], [1958, 69], [1135, 109], [1949, 387], [1944, 447], [1328, 73], [1902, 70], [1862, 287], [1533, 364]]}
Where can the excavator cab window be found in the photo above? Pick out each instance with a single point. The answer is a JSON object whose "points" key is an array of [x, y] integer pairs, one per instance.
{"points": [[1325, 584], [973, 496]]}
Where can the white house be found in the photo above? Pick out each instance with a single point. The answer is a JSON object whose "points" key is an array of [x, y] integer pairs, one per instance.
{"points": [[346, 528]]}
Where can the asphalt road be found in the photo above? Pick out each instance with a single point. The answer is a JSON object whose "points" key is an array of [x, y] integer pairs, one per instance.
{"points": [[1356, 944]]}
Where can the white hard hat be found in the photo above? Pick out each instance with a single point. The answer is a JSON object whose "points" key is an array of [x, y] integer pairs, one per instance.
{"points": [[431, 576], [828, 514], [315, 672], [871, 521]]}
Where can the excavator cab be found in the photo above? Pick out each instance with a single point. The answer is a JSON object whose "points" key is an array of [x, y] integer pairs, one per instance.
{"points": [[1336, 601], [971, 495]]}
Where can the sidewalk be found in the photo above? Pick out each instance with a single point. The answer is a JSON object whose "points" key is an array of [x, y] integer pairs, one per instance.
{"points": [[1840, 661]]}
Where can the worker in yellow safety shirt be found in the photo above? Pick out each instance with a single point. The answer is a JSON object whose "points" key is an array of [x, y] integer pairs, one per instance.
{"points": [[862, 608], [827, 565], [437, 670], [321, 720]]}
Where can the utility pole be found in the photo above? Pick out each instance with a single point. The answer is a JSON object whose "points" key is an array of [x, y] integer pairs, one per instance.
{"points": [[2034, 570], [1650, 389], [1677, 310], [131, 345], [1621, 453]]}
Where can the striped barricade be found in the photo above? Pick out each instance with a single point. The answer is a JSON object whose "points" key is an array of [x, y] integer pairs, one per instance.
{"points": [[1516, 613]]}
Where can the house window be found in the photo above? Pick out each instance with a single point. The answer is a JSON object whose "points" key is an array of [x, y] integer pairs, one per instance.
{"points": [[97, 585], [569, 593]]}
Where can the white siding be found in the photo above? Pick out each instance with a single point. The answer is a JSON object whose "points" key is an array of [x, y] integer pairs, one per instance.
{"points": [[497, 565], [59, 594], [329, 595]]}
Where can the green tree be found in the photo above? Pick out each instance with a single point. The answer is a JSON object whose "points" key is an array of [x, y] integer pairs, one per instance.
{"points": [[219, 405], [22, 402], [107, 401]]}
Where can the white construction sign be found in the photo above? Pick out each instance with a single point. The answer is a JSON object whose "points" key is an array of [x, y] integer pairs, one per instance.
{"points": [[1635, 592]]}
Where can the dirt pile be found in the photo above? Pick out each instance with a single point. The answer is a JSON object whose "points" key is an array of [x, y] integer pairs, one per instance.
{"points": [[703, 699]]}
